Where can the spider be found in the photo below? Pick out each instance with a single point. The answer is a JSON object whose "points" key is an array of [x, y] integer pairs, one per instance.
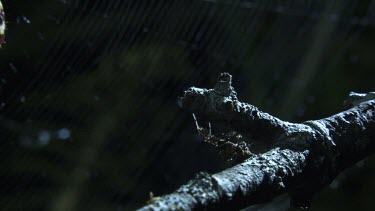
{"points": [[229, 144]]}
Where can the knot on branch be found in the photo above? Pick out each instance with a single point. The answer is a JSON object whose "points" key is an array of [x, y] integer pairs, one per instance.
{"points": [[218, 103], [194, 98], [223, 85]]}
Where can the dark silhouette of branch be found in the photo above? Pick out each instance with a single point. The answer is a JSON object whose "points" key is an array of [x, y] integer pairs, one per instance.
{"points": [[295, 158]]}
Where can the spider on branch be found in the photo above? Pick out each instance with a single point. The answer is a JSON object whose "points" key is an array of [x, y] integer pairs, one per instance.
{"points": [[231, 145]]}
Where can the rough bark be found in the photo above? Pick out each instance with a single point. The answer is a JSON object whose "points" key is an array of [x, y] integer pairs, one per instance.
{"points": [[297, 158]]}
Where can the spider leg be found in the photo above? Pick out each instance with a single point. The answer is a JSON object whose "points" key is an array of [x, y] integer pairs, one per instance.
{"points": [[209, 129], [196, 122]]}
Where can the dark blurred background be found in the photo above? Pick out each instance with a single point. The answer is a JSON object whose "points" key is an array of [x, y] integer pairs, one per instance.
{"points": [[88, 88]]}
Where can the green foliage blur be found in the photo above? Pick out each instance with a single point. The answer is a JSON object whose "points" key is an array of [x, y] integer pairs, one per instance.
{"points": [[88, 88]]}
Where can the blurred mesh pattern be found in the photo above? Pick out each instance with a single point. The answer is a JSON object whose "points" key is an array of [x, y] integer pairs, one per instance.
{"points": [[88, 114]]}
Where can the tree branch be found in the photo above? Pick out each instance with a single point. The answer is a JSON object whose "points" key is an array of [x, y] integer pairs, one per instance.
{"points": [[298, 158]]}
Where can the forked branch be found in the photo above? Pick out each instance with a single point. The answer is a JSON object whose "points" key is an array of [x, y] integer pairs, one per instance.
{"points": [[295, 158]]}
